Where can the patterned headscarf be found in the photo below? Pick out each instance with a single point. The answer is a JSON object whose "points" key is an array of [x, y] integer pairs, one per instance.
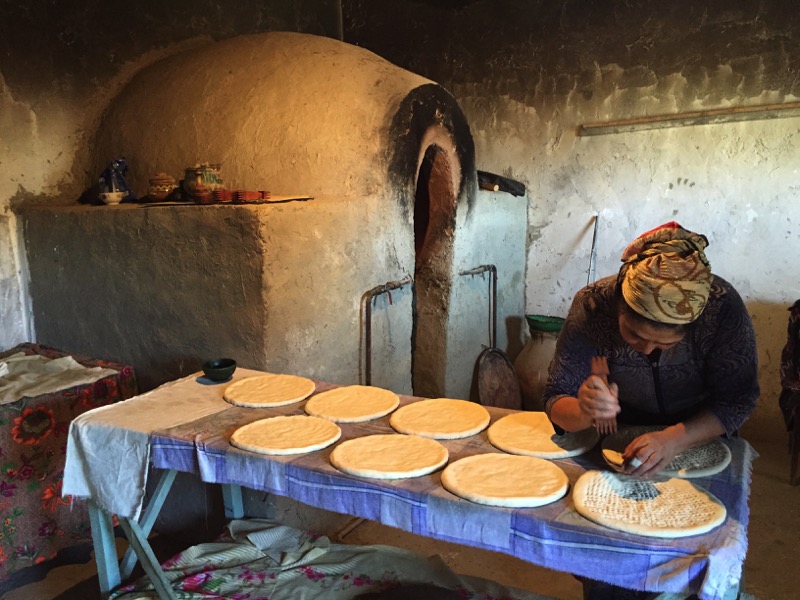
{"points": [[666, 276]]}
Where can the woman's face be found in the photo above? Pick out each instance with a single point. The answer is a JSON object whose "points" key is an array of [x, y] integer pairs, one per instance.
{"points": [[645, 338]]}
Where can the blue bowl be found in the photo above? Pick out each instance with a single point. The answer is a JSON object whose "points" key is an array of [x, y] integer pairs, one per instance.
{"points": [[219, 369]]}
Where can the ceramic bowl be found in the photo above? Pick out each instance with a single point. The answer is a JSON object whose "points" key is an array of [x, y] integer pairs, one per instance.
{"points": [[112, 197], [219, 369], [544, 323]]}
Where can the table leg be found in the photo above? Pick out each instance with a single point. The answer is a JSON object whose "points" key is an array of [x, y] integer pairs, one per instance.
{"points": [[232, 497], [148, 519], [150, 564], [105, 550]]}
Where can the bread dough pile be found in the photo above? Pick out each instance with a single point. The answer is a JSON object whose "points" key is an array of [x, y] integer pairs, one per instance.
{"points": [[271, 389], [440, 418], [352, 403], [294, 434], [663, 508], [389, 456], [532, 434], [505, 480]]}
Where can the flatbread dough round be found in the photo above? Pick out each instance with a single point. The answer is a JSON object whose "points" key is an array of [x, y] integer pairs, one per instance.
{"points": [[440, 418], [615, 460], [663, 508], [271, 389], [352, 403], [506, 480], [389, 456], [295, 434], [532, 434], [700, 461]]}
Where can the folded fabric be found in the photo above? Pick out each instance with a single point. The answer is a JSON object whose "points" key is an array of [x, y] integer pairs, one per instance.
{"points": [[234, 567], [33, 375]]}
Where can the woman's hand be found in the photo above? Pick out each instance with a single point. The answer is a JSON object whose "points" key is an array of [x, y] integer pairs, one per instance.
{"points": [[598, 400], [650, 453]]}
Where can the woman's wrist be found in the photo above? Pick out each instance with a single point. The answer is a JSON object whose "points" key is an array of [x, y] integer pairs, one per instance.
{"points": [[678, 437], [566, 412]]}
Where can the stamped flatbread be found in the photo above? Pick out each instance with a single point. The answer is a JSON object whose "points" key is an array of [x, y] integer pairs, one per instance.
{"points": [[352, 403], [700, 461], [663, 507], [295, 434], [389, 456], [532, 434], [440, 418], [271, 389], [505, 480]]}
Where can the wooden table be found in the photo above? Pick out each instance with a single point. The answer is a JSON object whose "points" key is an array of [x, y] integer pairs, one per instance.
{"points": [[553, 536]]}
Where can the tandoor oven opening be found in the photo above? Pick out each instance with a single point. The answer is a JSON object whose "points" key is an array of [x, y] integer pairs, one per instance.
{"points": [[434, 226]]}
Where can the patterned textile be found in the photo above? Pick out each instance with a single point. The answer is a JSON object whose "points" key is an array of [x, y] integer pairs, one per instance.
{"points": [[308, 567], [714, 366], [36, 522], [666, 275]]}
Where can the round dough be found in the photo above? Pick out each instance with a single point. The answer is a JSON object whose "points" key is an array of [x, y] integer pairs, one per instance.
{"points": [[615, 459], [389, 456], [700, 461], [506, 480], [272, 389], [294, 434], [440, 418], [532, 434], [663, 508], [352, 403]]}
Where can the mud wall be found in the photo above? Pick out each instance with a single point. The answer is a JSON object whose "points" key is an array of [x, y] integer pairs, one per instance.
{"points": [[529, 74]]}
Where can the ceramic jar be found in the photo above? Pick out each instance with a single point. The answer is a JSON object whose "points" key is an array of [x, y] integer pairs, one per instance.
{"points": [[201, 180], [161, 186], [533, 363]]}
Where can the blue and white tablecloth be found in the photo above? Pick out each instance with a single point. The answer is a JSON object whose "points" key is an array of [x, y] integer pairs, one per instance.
{"points": [[554, 536]]}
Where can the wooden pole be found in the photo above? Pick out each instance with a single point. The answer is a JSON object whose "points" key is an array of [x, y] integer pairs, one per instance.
{"points": [[703, 117]]}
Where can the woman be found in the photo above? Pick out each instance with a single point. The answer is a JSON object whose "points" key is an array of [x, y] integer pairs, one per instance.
{"points": [[680, 349]]}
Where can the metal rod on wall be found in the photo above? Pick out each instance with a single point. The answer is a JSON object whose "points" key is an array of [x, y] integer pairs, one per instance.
{"points": [[492, 298], [703, 117], [367, 298]]}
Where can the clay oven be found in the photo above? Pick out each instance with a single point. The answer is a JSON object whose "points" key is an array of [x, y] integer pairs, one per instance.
{"points": [[368, 280]]}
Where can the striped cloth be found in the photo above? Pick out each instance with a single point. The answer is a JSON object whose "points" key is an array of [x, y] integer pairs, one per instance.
{"points": [[554, 536]]}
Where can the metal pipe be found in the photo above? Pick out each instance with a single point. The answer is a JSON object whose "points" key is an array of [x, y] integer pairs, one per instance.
{"points": [[591, 275], [367, 298], [493, 301]]}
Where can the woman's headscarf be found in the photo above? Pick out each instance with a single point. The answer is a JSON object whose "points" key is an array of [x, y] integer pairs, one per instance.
{"points": [[666, 276]]}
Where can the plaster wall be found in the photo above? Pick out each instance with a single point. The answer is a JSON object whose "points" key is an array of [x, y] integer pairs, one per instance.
{"points": [[59, 68], [181, 280], [528, 74], [287, 112], [493, 235], [322, 256], [734, 182], [13, 309], [164, 288], [283, 111]]}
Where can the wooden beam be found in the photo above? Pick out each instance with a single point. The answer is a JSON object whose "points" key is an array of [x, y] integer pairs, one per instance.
{"points": [[703, 117]]}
